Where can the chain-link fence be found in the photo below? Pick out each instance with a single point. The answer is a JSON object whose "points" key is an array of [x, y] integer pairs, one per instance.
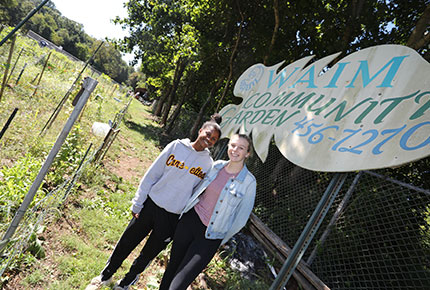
{"points": [[382, 239], [376, 235]]}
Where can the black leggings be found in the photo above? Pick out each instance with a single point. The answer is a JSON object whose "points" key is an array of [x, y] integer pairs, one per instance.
{"points": [[190, 254], [151, 218]]}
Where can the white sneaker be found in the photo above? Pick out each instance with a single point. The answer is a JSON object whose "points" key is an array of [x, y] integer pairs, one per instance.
{"points": [[97, 282], [126, 287]]}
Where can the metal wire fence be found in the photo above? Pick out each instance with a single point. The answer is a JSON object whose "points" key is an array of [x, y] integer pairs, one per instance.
{"points": [[37, 215], [376, 235], [381, 241]]}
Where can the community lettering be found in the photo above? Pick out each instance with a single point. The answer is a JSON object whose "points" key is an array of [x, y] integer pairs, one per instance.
{"points": [[337, 116], [266, 109]]}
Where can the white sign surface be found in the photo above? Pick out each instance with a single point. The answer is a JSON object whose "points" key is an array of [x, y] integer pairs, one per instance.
{"points": [[369, 110]]}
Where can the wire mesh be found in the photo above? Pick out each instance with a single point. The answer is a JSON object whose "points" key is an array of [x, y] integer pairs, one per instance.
{"points": [[375, 236], [381, 241], [36, 216], [286, 194]]}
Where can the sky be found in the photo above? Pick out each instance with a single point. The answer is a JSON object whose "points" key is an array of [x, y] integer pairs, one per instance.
{"points": [[96, 16]]}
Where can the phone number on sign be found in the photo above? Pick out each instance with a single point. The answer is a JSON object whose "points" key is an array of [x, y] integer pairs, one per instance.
{"points": [[306, 128]]}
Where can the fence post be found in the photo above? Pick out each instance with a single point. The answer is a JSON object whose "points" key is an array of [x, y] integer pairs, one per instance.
{"points": [[6, 71], [20, 74], [89, 85], [14, 65], [309, 231], [8, 122], [41, 74]]}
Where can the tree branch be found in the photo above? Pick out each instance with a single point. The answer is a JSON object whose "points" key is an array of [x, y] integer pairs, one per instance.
{"points": [[418, 38]]}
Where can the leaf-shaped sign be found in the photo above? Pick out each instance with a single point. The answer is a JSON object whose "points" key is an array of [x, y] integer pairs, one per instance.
{"points": [[369, 110]]}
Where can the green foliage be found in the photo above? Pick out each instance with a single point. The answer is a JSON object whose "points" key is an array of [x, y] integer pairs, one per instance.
{"points": [[15, 181], [35, 244], [23, 151], [229, 279], [137, 80], [67, 159]]}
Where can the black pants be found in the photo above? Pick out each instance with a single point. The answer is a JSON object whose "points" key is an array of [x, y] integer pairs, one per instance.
{"points": [[190, 254], [151, 218]]}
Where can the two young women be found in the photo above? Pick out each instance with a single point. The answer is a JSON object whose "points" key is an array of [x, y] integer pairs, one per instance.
{"points": [[162, 194], [218, 209]]}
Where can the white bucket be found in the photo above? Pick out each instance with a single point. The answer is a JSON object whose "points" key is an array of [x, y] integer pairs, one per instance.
{"points": [[100, 129]]}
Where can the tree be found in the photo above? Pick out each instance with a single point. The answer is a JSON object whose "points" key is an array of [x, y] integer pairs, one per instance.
{"points": [[222, 38], [136, 79], [161, 31], [5, 17]]}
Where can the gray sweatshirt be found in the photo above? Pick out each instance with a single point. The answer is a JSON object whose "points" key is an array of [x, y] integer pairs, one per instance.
{"points": [[172, 177]]}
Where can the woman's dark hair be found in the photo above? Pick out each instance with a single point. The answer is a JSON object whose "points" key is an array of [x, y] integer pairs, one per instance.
{"points": [[214, 122], [217, 118]]}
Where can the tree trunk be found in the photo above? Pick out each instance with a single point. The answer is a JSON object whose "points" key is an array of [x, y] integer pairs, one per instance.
{"points": [[175, 115], [275, 31], [232, 57], [180, 67], [160, 102], [419, 38], [196, 125]]}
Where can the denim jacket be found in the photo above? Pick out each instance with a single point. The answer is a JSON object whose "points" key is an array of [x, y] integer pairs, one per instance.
{"points": [[234, 204]]}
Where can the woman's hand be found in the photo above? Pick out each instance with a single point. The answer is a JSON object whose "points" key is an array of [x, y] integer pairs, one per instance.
{"points": [[135, 215]]}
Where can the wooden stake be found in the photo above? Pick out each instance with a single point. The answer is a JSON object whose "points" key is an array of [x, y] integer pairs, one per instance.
{"points": [[6, 71], [41, 74]]}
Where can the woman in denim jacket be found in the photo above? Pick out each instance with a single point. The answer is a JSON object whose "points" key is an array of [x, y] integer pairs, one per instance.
{"points": [[217, 210]]}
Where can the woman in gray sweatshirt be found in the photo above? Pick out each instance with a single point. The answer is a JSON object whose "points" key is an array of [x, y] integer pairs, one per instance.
{"points": [[162, 194]]}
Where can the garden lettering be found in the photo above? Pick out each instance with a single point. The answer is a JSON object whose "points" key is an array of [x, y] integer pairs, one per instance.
{"points": [[369, 110]]}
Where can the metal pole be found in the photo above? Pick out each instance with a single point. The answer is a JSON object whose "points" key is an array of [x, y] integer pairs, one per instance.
{"points": [[23, 21], [89, 85], [20, 74], [8, 122], [309, 231], [14, 65], [335, 217]]}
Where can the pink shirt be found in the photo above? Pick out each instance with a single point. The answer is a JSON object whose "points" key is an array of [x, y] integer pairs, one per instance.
{"points": [[209, 198]]}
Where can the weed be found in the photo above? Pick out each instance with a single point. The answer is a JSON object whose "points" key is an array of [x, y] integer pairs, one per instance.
{"points": [[14, 184], [67, 159]]}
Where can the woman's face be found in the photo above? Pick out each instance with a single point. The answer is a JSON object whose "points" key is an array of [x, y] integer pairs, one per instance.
{"points": [[207, 138], [238, 149]]}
